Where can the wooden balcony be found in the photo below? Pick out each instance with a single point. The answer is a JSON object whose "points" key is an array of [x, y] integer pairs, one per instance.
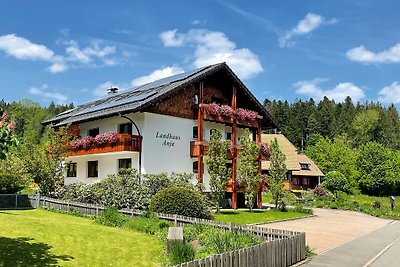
{"points": [[228, 120], [126, 142], [201, 148]]}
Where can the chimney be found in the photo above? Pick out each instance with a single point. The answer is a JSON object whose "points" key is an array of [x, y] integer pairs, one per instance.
{"points": [[112, 90]]}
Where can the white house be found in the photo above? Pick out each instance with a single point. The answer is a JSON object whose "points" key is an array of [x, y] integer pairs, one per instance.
{"points": [[167, 121]]}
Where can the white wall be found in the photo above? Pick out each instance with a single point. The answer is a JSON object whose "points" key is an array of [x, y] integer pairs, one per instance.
{"points": [[161, 153], [108, 164], [108, 125]]}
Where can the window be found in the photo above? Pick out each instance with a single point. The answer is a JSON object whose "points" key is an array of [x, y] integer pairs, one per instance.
{"points": [[195, 167], [216, 100], [229, 165], [124, 164], [93, 169], [93, 132], [295, 181], [71, 169], [195, 132], [305, 166], [196, 99], [228, 136], [125, 128], [305, 181]]}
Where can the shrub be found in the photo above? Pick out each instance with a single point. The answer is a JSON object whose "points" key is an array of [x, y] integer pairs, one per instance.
{"points": [[111, 217], [301, 209], [149, 223], [335, 182], [9, 183], [181, 252], [181, 201]]}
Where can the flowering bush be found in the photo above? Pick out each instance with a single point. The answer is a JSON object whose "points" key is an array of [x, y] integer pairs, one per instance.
{"points": [[112, 138], [7, 136], [244, 114], [100, 139], [265, 149], [319, 191], [226, 110], [214, 108]]}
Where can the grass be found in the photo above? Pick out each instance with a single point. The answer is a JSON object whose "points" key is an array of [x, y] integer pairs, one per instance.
{"points": [[43, 238], [266, 198], [256, 216]]}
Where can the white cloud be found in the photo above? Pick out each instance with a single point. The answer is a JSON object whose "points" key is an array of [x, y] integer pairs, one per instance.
{"points": [[57, 67], [156, 75], [41, 91], [363, 55], [101, 89], [310, 23], [87, 54], [338, 93], [213, 47], [172, 38], [390, 93], [24, 49]]}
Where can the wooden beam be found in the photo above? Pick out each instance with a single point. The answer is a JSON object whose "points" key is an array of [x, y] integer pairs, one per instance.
{"points": [[200, 135], [261, 186], [234, 158]]}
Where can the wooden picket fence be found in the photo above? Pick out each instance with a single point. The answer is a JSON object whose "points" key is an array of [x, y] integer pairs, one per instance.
{"points": [[18, 201], [281, 247]]}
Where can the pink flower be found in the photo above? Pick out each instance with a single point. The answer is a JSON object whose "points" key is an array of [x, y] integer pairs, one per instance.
{"points": [[214, 108], [76, 144], [113, 138], [4, 117], [101, 139], [226, 110], [11, 126], [86, 142]]}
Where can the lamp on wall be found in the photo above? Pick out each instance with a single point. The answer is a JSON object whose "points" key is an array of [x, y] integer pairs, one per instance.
{"points": [[140, 150]]}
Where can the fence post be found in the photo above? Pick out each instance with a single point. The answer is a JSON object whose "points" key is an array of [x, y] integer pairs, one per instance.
{"points": [[16, 200], [175, 220]]}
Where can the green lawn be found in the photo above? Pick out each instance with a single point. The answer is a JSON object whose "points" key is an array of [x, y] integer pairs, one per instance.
{"points": [[43, 238], [266, 198], [256, 216]]}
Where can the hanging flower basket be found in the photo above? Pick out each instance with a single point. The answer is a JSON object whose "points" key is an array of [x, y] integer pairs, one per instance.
{"points": [[100, 139], [214, 108], [245, 114], [226, 110], [113, 138]]}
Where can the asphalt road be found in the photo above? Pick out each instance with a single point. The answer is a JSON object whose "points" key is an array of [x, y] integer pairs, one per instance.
{"points": [[378, 248]]}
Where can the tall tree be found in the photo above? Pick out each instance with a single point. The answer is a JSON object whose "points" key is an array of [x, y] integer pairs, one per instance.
{"points": [[216, 165], [248, 167], [278, 172]]}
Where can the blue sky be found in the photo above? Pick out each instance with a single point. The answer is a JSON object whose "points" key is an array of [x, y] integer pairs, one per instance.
{"points": [[72, 51]]}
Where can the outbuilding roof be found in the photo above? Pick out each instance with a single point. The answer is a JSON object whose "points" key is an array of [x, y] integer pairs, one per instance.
{"points": [[140, 97]]}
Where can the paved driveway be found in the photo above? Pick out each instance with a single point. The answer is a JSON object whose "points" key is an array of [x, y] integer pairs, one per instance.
{"points": [[331, 228]]}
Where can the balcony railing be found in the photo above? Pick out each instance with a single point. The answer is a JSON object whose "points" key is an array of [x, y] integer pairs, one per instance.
{"points": [[126, 142]]}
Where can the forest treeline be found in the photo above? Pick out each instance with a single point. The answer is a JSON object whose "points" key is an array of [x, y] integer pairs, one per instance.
{"points": [[29, 116], [359, 141], [301, 120]]}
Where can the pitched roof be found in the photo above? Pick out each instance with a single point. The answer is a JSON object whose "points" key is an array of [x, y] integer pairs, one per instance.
{"points": [[313, 171], [138, 98], [287, 148]]}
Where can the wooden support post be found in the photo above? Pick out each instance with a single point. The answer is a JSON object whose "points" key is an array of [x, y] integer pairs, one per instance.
{"points": [[261, 186], [200, 135], [234, 158]]}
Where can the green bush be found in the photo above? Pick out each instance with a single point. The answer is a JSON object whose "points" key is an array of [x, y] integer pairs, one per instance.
{"points": [[181, 252], [299, 208], [9, 183], [111, 217], [181, 201]]}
